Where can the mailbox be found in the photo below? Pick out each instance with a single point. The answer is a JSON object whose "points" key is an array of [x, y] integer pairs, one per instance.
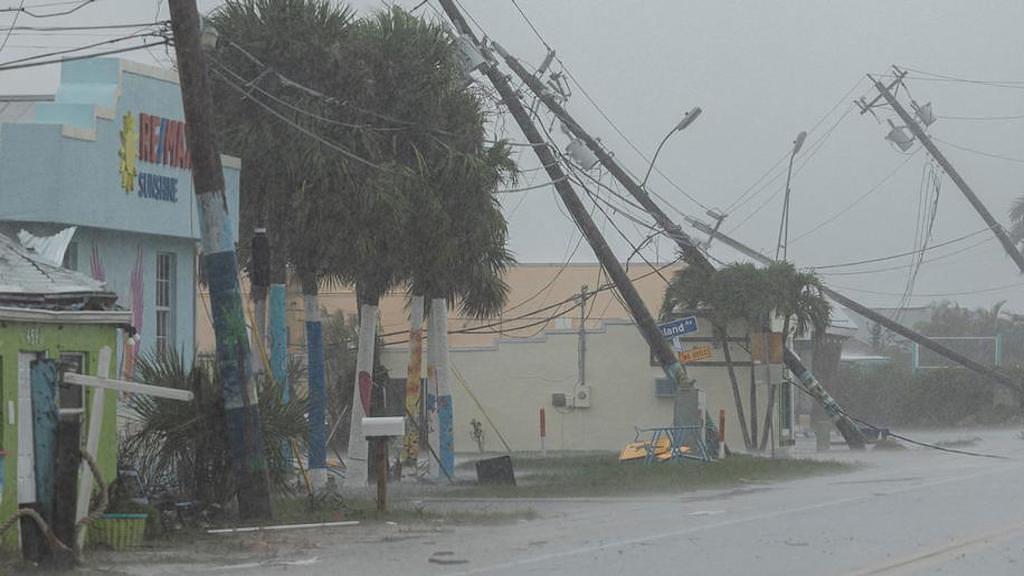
{"points": [[377, 427]]}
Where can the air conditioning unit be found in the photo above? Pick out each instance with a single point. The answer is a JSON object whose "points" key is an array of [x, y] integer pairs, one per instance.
{"points": [[581, 397]]}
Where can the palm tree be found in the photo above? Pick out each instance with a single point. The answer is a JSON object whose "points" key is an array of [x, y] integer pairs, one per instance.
{"points": [[300, 39], [743, 292], [798, 298], [460, 252], [409, 69], [724, 296], [182, 446]]}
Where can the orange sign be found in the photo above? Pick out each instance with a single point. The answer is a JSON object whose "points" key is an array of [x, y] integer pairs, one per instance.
{"points": [[694, 354]]}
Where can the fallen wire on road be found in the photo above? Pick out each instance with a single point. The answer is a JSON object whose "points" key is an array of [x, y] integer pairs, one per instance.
{"points": [[907, 439]]}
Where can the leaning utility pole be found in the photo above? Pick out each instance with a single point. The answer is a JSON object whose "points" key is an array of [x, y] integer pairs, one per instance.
{"points": [[870, 314], [234, 362], [926, 141], [641, 315], [691, 254]]}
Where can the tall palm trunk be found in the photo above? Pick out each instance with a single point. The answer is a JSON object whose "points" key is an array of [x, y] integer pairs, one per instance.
{"points": [[442, 373], [357, 449], [413, 388], [723, 338], [317, 390]]}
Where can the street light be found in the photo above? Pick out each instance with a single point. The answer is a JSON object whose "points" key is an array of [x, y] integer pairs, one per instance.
{"points": [[688, 119], [783, 243]]}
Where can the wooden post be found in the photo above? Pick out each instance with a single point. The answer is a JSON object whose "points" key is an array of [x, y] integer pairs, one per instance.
{"points": [[382, 473], [92, 444], [69, 428]]}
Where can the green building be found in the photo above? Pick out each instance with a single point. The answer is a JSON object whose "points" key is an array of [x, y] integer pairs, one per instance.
{"points": [[49, 312]]}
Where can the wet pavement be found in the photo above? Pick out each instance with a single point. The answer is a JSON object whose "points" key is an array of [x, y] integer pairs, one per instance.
{"points": [[914, 511]]}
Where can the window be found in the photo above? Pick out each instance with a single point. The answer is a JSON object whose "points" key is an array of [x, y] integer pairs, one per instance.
{"points": [[71, 257], [71, 398], [166, 272]]}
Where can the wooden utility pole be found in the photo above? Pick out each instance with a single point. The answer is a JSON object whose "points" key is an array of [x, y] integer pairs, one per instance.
{"points": [[691, 254], [234, 361], [641, 315], [583, 335], [880, 319], [926, 141]]}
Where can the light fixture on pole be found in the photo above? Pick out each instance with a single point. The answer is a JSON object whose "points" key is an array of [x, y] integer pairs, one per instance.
{"points": [[782, 246], [688, 119]]}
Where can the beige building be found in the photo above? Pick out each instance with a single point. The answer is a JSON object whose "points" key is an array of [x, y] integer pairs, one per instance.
{"points": [[506, 370]]}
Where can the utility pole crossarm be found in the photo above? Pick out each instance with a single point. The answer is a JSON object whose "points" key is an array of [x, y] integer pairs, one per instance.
{"points": [[870, 314], [926, 141]]}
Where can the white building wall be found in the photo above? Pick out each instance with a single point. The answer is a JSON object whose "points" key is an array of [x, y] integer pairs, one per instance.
{"points": [[516, 378]]}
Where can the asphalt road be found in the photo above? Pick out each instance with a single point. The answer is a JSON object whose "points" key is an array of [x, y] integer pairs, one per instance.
{"points": [[908, 512]]}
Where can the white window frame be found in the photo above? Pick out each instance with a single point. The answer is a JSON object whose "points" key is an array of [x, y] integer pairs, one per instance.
{"points": [[166, 299]]}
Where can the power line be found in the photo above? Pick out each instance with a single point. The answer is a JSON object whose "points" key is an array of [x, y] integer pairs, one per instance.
{"points": [[11, 29], [9, 63], [253, 84], [815, 147], [899, 255], [530, 24], [903, 267], [607, 118], [143, 46], [81, 28], [79, 4], [936, 294], [934, 77], [534, 187], [736, 203], [270, 109], [483, 329], [979, 152], [981, 118], [875, 188]]}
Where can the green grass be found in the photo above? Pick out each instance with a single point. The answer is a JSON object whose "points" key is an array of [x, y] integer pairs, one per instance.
{"points": [[604, 475]]}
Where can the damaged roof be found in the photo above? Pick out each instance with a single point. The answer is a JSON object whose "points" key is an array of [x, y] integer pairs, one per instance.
{"points": [[28, 280]]}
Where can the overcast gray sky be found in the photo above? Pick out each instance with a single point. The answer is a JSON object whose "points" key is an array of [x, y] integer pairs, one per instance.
{"points": [[762, 72]]}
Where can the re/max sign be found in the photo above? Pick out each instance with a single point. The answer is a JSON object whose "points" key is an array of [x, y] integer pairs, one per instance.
{"points": [[162, 141]]}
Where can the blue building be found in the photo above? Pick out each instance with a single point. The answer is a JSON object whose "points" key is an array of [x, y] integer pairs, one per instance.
{"points": [[107, 154]]}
